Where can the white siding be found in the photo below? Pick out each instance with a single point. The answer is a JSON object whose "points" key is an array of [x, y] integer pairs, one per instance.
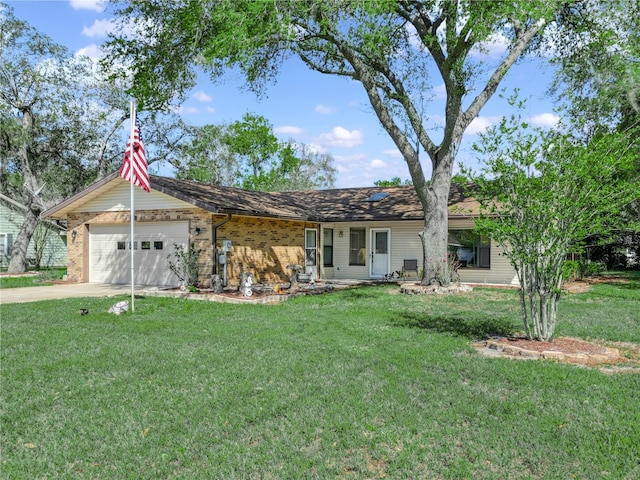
{"points": [[118, 199], [406, 245]]}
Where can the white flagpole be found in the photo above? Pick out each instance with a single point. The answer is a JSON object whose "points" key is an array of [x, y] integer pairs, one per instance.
{"points": [[132, 214]]}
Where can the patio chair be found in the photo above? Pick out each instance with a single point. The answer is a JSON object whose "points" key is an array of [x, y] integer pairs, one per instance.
{"points": [[410, 266]]}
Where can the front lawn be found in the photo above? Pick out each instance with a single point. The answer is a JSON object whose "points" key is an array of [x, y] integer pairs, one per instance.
{"points": [[363, 383], [42, 278]]}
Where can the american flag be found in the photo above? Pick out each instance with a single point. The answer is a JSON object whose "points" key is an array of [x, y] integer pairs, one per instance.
{"points": [[140, 173]]}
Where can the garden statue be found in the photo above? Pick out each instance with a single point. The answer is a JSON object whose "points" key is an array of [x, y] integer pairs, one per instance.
{"points": [[246, 280]]}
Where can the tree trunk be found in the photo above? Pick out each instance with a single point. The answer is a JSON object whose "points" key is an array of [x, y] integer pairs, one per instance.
{"points": [[18, 262], [539, 298], [435, 233]]}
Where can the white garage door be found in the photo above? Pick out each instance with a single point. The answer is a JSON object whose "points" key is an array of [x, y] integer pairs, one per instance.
{"points": [[110, 254]]}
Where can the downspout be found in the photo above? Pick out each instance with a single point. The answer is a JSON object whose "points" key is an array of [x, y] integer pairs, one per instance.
{"points": [[214, 240]]}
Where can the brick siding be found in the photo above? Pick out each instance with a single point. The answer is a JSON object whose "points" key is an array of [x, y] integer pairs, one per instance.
{"points": [[262, 246]]}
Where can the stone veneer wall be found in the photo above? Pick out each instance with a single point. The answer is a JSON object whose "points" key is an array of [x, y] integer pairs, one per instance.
{"points": [[262, 246], [78, 251]]}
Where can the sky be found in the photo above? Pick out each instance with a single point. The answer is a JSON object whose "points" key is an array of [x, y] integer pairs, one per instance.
{"points": [[331, 114]]}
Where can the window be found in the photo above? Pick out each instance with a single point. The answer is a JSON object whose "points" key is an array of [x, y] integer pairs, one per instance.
{"points": [[145, 245], [310, 247], [357, 246], [157, 245], [470, 249], [122, 246], [135, 245], [327, 247], [4, 247]]}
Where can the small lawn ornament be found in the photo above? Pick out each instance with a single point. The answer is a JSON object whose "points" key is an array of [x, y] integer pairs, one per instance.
{"points": [[246, 280], [119, 307]]}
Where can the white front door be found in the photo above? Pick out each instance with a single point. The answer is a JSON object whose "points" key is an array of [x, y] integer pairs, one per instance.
{"points": [[380, 252], [311, 252]]}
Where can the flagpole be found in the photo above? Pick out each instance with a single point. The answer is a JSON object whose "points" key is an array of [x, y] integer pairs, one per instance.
{"points": [[132, 213]]}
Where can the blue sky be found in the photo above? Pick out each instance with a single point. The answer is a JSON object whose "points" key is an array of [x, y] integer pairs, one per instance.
{"points": [[330, 113]]}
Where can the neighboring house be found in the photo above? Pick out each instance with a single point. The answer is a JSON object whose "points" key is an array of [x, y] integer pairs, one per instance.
{"points": [[354, 233], [48, 244]]}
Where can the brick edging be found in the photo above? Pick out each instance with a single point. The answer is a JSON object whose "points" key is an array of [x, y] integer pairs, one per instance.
{"points": [[609, 354]]}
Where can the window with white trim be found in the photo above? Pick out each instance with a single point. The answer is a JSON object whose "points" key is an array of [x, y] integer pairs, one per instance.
{"points": [[357, 246]]}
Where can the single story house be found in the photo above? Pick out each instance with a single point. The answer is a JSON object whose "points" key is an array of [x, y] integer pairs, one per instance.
{"points": [[48, 244], [352, 233]]}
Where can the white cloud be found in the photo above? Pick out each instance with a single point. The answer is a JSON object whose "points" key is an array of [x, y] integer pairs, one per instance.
{"points": [[341, 137], [377, 163], [202, 97], [95, 5], [288, 130], [92, 51], [350, 163], [393, 153], [545, 120], [211, 110], [181, 110], [99, 29], [480, 125], [439, 92], [320, 108], [494, 47]]}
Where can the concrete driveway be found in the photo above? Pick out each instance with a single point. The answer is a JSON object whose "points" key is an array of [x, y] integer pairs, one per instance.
{"points": [[57, 292]]}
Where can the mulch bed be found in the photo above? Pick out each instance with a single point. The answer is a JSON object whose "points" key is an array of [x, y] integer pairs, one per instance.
{"points": [[562, 344]]}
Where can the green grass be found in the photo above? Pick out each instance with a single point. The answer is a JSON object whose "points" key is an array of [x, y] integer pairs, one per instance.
{"points": [[43, 278], [362, 383]]}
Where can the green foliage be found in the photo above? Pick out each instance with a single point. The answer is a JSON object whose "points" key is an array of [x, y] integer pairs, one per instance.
{"points": [[599, 76], [588, 268], [252, 139], [394, 182], [247, 154], [185, 264], [390, 47], [570, 270], [543, 193]]}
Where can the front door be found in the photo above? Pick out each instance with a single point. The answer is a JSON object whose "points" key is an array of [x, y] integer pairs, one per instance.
{"points": [[311, 252], [380, 252]]}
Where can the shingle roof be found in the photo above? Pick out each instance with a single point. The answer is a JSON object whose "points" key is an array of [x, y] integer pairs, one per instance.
{"points": [[218, 199], [335, 205]]}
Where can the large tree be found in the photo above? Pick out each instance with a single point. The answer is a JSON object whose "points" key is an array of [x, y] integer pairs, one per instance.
{"points": [[598, 78], [543, 193], [599, 81], [61, 125], [393, 48], [37, 100], [247, 154]]}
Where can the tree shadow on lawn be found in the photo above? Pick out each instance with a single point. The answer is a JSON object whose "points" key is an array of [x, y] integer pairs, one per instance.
{"points": [[475, 328]]}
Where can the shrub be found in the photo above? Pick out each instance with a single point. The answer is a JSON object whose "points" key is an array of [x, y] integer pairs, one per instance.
{"points": [[185, 266], [570, 270], [590, 269]]}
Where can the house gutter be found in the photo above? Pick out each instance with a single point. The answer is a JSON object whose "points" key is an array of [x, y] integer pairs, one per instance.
{"points": [[214, 241]]}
